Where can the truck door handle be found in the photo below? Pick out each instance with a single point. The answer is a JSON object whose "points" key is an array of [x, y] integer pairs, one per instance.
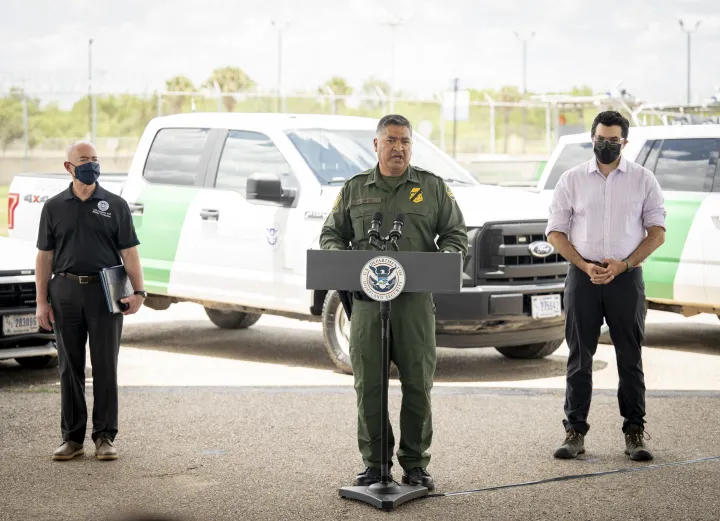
{"points": [[136, 208], [716, 220], [210, 214]]}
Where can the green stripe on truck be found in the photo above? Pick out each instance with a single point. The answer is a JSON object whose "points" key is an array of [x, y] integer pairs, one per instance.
{"points": [[159, 229], [660, 269]]}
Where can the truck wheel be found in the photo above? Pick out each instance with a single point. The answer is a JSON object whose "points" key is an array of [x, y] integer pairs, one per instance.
{"points": [[232, 319], [531, 350], [38, 362], [336, 331]]}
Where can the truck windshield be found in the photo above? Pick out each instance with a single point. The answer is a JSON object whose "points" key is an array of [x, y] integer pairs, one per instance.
{"points": [[337, 155], [571, 155]]}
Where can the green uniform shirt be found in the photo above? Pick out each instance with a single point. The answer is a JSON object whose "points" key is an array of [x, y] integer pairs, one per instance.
{"points": [[428, 204]]}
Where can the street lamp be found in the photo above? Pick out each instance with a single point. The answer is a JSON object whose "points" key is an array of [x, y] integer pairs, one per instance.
{"points": [[524, 58], [688, 32], [395, 22], [524, 83], [91, 130], [280, 28]]}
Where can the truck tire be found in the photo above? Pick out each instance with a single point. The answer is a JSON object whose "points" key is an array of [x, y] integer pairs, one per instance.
{"points": [[232, 319], [540, 350], [38, 362], [336, 331]]}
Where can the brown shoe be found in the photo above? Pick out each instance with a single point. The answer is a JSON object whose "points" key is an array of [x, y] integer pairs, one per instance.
{"points": [[104, 449], [68, 451], [573, 446], [635, 443]]}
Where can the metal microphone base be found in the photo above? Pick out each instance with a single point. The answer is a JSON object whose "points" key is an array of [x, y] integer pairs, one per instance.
{"points": [[384, 496]]}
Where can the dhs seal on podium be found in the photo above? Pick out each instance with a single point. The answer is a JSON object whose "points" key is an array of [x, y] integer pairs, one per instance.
{"points": [[382, 278]]}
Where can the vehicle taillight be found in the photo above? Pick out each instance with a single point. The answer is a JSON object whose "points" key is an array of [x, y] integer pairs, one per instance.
{"points": [[13, 200]]}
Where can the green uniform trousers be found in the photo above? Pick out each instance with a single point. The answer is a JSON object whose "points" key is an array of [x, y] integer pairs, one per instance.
{"points": [[412, 349]]}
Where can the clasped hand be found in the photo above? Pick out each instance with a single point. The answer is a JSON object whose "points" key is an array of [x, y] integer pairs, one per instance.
{"points": [[605, 275]]}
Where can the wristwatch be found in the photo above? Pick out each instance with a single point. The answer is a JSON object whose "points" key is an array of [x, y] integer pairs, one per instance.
{"points": [[141, 292], [629, 266]]}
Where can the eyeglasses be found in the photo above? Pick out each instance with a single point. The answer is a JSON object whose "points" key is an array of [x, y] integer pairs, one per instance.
{"points": [[613, 140]]}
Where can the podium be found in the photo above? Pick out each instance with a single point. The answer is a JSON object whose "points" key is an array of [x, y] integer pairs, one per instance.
{"points": [[383, 276]]}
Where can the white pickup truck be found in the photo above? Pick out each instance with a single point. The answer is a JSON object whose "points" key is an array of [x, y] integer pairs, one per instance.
{"points": [[20, 336], [226, 206], [683, 275]]}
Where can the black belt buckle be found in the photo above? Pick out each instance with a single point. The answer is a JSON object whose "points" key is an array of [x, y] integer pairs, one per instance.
{"points": [[84, 279]]}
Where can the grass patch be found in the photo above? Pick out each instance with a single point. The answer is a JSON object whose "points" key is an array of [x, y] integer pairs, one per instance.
{"points": [[3, 210]]}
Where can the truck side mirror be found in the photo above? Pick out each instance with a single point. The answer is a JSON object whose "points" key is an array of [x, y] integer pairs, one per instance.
{"points": [[267, 187]]}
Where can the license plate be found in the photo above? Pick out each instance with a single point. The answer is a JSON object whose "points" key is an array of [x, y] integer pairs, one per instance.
{"points": [[19, 324], [546, 306]]}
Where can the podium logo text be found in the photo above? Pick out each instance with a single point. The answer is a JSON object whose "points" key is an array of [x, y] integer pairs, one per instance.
{"points": [[382, 278]]}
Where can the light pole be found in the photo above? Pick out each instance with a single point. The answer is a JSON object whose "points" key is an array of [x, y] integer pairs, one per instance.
{"points": [[90, 118], [394, 23], [280, 98], [688, 32], [524, 83]]}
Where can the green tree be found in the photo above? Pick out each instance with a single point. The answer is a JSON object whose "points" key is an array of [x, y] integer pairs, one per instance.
{"points": [[12, 119], [179, 84], [230, 79], [339, 87]]}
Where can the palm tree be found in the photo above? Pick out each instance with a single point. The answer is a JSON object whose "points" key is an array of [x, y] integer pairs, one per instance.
{"points": [[339, 87], [230, 79], [179, 84]]}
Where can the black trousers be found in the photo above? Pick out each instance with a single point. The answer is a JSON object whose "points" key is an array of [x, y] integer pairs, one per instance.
{"points": [[80, 311], [622, 303]]}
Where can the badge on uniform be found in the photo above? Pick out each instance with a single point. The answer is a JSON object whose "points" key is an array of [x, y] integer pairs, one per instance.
{"points": [[336, 204], [449, 193], [416, 195]]}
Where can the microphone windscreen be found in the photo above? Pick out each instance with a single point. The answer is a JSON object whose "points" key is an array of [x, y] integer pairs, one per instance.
{"points": [[400, 218], [377, 216]]}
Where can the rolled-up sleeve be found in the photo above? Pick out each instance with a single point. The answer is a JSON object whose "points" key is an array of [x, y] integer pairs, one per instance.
{"points": [[654, 205], [560, 208]]}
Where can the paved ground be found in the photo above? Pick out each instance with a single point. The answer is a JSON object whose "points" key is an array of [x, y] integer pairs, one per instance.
{"points": [[257, 425]]}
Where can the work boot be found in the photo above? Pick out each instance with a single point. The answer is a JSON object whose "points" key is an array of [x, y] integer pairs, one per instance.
{"points": [[418, 476], [104, 449], [68, 450], [573, 446], [367, 477], [635, 443]]}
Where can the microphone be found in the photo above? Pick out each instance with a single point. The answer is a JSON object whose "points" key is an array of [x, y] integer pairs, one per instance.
{"points": [[396, 231], [374, 231]]}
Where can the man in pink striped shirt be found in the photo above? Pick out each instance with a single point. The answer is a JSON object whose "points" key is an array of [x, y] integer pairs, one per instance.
{"points": [[606, 217]]}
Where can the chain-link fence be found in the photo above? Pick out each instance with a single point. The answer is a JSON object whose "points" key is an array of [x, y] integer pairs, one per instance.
{"points": [[38, 124]]}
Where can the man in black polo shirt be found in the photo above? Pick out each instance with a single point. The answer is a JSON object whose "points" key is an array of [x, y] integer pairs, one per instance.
{"points": [[83, 230]]}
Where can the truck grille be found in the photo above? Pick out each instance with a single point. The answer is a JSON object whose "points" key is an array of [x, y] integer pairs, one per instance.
{"points": [[502, 255], [17, 295]]}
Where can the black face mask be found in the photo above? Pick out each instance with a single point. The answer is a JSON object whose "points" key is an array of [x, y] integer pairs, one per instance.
{"points": [[87, 173], [607, 152]]}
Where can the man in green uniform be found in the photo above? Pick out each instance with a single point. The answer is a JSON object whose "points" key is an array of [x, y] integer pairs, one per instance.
{"points": [[431, 212]]}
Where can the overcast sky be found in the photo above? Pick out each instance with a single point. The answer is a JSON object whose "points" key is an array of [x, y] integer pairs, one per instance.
{"points": [[140, 43]]}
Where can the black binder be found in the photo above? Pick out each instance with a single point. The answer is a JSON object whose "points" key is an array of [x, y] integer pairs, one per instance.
{"points": [[117, 286]]}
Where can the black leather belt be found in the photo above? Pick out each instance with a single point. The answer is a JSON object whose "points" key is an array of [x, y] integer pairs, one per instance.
{"points": [[82, 279]]}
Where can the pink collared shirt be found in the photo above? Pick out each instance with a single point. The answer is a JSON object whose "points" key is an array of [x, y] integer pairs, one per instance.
{"points": [[606, 217]]}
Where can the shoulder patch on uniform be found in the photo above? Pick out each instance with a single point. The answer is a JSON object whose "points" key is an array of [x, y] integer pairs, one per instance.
{"points": [[449, 192], [338, 200]]}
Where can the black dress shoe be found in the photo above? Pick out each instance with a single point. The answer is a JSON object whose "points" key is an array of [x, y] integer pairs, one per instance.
{"points": [[418, 476], [367, 477]]}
